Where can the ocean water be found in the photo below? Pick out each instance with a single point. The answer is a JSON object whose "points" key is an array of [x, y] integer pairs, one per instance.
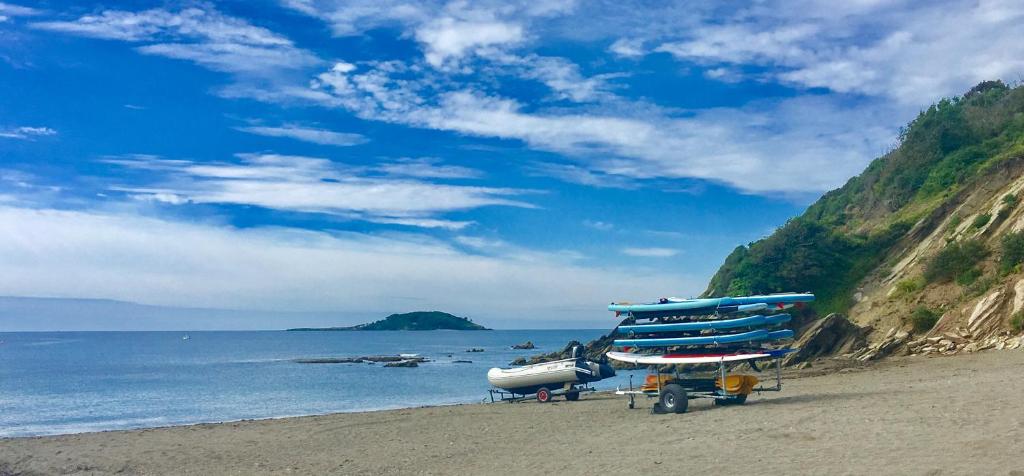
{"points": [[70, 382]]}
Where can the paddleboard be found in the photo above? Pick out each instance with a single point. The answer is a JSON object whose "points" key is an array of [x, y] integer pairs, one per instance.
{"points": [[750, 321], [728, 304], [716, 339], [668, 359]]}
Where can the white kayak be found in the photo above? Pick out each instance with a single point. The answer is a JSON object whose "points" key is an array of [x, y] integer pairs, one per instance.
{"points": [[666, 359]]}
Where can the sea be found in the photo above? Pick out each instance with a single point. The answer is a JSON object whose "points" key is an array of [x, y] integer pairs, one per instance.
{"points": [[72, 382]]}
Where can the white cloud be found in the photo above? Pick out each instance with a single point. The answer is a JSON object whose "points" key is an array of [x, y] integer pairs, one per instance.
{"points": [[599, 225], [201, 35], [651, 252], [911, 52], [427, 167], [307, 134], [791, 145], [628, 47], [313, 185], [8, 10], [26, 132], [448, 39], [153, 261]]}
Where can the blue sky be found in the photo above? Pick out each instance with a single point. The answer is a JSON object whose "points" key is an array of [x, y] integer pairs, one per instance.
{"points": [[510, 161]]}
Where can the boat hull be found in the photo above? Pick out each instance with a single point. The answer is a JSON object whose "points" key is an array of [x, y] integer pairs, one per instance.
{"points": [[551, 375]]}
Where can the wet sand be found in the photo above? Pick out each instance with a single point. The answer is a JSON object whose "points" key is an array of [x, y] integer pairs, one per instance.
{"points": [[942, 415]]}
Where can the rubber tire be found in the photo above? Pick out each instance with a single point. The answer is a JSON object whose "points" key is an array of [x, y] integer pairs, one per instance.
{"points": [[731, 400], [572, 396], [673, 399], [543, 395]]}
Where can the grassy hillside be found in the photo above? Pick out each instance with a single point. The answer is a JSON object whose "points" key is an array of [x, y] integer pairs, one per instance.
{"points": [[850, 231]]}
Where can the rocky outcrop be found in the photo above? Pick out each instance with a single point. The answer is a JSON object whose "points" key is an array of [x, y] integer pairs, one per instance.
{"points": [[403, 363], [524, 346], [359, 360], [887, 346], [824, 337], [961, 340]]}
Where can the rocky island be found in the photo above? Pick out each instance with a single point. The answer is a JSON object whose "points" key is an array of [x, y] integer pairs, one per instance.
{"points": [[410, 321]]}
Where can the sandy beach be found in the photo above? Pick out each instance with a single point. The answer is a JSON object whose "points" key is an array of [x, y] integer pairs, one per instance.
{"points": [[943, 415]]}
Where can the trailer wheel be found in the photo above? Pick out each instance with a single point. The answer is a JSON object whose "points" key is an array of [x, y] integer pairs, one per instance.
{"points": [[572, 396], [673, 398], [543, 395]]}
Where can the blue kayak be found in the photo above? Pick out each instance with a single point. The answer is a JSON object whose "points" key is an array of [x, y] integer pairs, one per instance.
{"points": [[708, 305], [751, 336], [750, 321]]}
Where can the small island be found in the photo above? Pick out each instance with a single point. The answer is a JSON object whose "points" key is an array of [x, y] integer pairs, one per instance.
{"points": [[410, 321]]}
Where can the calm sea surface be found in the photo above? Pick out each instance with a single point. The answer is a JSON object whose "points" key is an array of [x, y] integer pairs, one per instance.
{"points": [[68, 382]]}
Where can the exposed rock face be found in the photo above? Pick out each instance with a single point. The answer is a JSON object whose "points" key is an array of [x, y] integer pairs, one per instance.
{"points": [[892, 341], [829, 336], [524, 346]]}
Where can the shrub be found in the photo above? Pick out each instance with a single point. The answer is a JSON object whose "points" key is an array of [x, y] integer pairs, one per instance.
{"points": [[1012, 251], [980, 286], [908, 287], [1010, 200], [1017, 321], [955, 221], [980, 220], [1003, 214], [968, 277], [923, 319], [956, 259]]}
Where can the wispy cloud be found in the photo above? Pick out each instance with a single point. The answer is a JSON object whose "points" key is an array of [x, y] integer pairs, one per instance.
{"points": [[307, 134], [8, 10], [599, 225], [155, 261], [27, 132], [427, 167], [650, 252], [313, 185], [199, 34]]}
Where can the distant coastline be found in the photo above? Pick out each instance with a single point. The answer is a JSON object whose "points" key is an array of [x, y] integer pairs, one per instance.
{"points": [[410, 321]]}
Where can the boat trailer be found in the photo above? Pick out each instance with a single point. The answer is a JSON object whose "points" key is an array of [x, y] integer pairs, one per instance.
{"points": [[673, 391], [543, 395]]}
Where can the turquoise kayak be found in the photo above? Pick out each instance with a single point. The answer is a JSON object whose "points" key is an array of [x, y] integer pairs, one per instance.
{"points": [[709, 305], [750, 321], [751, 336]]}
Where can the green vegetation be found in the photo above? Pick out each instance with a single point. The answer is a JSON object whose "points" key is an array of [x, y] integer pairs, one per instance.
{"points": [[923, 319], [1017, 321], [908, 287], [958, 260], [981, 220], [1011, 253], [1010, 200], [411, 321], [954, 221], [850, 231]]}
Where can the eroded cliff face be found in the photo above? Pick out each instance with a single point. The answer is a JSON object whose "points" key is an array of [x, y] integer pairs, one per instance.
{"points": [[974, 315]]}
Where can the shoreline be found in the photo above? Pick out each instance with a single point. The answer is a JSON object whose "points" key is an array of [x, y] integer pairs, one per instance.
{"points": [[909, 415]]}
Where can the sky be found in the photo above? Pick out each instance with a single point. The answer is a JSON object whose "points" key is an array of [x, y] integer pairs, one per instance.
{"points": [[519, 163]]}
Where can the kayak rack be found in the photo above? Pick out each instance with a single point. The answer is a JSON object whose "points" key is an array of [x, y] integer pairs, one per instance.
{"points": [[499, 395], [678, 390]]}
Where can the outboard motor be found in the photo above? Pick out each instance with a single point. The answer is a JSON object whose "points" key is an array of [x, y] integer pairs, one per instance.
{"points": [[606, 370], [577, 351]]}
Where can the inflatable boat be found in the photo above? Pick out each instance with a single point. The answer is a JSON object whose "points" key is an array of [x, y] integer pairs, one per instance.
{"points": [[551, 375]]}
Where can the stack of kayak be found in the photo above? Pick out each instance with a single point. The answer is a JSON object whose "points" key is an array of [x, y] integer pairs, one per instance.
{"points": [[704, 330]]}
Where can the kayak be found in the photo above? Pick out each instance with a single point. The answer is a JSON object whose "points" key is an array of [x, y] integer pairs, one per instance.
{"points": [[667, 359], [716, 339], [709, 305], [750, 321]]}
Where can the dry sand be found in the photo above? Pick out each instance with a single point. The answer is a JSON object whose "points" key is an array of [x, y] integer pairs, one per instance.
{"points": [[945, 415]]}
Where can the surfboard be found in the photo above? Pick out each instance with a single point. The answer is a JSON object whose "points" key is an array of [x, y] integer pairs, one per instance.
{"points": [[706, 305], [716, 339], [668, 359], [750, 321]]}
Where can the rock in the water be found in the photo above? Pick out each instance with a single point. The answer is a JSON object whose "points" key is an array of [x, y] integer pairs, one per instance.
{"points": [[519, 361], [829, 336], [462, 361], [330, 360], [524, 345], [402, 363], [475, 349]]}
